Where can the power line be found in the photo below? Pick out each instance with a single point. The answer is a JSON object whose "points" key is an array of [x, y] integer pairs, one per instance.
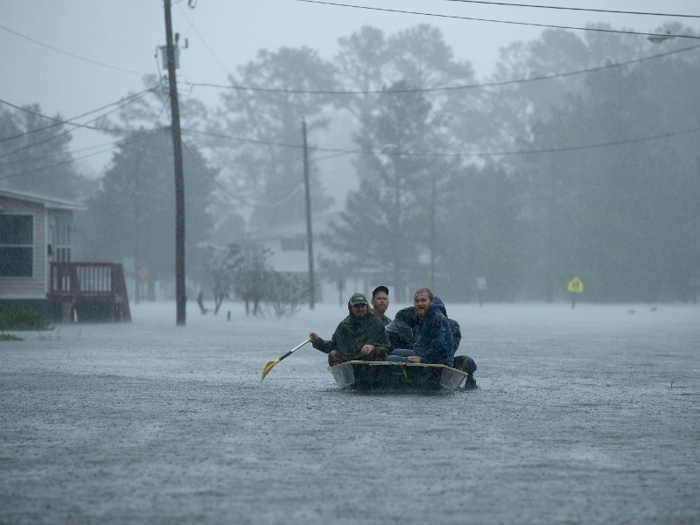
{"points": [[182, 11], [444, 88], [59, 122], [339, 151], [86, 126], [443, 154], [474, 19], [59, 154], [71, 54], [133, 138], [588, 10]]}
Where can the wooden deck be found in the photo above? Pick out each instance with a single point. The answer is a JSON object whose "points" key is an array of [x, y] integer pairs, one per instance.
{"points": [[99, 290]]}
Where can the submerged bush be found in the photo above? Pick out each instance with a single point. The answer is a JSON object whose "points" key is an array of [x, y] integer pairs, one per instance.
{"points": [[15, 318]]}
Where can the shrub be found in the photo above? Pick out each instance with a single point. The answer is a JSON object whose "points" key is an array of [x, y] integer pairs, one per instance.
{"points": [[15, 318], [285, 293]]}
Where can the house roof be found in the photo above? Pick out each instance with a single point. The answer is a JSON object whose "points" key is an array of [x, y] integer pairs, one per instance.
{"points": [[47, 202]]}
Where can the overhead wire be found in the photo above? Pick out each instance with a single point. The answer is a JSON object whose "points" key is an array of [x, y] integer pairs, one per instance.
{"points": [[224, 189], [201, 38], [584, 9], [60, 122], [102, 64], [337, 152], [59, 154], [458, 154], [87, 126], [447, 88], [133, 138], [510, 22]]}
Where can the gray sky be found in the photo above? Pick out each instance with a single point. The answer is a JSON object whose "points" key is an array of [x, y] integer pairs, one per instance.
{"points": [[224, 34]]}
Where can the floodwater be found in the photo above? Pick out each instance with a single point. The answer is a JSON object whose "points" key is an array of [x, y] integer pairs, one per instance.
{"points": [[589, 415]]}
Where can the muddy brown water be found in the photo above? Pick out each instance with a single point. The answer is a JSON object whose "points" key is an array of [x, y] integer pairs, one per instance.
{"points": [[584, 416]]}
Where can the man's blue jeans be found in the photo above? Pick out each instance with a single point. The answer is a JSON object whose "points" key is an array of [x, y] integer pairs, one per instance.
{"points": [[400, 355]]}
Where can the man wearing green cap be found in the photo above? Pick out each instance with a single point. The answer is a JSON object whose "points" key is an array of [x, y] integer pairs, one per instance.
{"points": [[360, 336]]}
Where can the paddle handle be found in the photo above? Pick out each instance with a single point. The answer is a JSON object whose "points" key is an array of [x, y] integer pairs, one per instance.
{"points": [[294, 349]]}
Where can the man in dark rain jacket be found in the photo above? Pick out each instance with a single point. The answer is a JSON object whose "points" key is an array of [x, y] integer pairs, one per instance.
{"points": [[433, 344], [403, 330], [360, 336]]}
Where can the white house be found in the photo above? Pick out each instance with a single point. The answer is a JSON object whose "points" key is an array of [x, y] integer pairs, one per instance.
{"points": [[289, 254], [35, 231], [36, 270]]}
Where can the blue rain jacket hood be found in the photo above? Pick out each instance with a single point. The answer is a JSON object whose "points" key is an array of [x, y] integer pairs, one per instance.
{"points": [[434, 341], [454, 325]]}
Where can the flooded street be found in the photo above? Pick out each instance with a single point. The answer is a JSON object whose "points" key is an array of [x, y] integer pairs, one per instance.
{"points": [[589, 415]]}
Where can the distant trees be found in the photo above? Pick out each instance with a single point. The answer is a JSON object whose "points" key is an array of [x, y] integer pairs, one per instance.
{"points": [[260, 137], [598, 197], [481, 234], [542, 175], [133, 213], [385, 222], [34, 154], [614, 215], [394, 215]]}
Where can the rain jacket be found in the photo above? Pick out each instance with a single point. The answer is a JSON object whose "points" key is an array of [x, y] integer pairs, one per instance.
{"points": [[403, 329], [352, 334], [454, 325], [434, 341]]}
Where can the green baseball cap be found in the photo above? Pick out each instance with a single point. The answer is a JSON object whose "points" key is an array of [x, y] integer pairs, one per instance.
{"points": [[358, 298]]}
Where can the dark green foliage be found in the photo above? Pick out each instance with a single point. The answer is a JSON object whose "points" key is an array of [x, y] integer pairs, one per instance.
{"points": [[599, 202], [387, 220], [16, 318], [134, 213], [261, 174], [615, 216], [481, 235], [35, 154], [285, 293]]}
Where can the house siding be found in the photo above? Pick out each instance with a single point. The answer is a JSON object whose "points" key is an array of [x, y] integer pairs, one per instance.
{"points": [[33, 287]]}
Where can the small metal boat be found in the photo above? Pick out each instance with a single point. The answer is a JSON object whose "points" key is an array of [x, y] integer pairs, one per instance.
{"points": [[382, 375]]}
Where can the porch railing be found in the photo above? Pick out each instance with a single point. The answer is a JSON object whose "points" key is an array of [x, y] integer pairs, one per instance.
{"points": [[88, 282]]}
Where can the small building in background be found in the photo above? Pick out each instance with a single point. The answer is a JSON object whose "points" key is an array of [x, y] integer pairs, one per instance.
{"points": [[36, 270], [288, 254]]}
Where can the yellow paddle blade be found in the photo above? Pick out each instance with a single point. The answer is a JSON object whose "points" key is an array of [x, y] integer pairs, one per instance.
{"points": [[268, 367]]}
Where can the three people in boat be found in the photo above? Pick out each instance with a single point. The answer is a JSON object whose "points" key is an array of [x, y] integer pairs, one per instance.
{"points": [[421, 333], [360, 336]]}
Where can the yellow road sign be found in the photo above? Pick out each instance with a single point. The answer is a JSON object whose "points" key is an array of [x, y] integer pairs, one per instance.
{"points": [[575, 286]]}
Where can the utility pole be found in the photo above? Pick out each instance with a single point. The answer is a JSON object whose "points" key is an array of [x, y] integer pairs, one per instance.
{"points": [[309, 236], [181, 298]]}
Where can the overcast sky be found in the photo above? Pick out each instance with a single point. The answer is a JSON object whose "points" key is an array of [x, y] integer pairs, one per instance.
{"points": [[113, 43]]}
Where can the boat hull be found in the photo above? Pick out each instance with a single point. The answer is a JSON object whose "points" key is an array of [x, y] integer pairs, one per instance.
{"points": [[382, 375]]}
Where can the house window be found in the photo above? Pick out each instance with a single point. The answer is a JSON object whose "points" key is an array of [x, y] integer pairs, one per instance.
{"points": [[16, 245], [293, 244]]}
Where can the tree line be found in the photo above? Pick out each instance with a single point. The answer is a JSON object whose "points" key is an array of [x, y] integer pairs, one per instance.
{"points": [[577, 157]]}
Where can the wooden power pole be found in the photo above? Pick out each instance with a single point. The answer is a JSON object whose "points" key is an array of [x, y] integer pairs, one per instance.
{"points": [[180, 294], [309, 234]]}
